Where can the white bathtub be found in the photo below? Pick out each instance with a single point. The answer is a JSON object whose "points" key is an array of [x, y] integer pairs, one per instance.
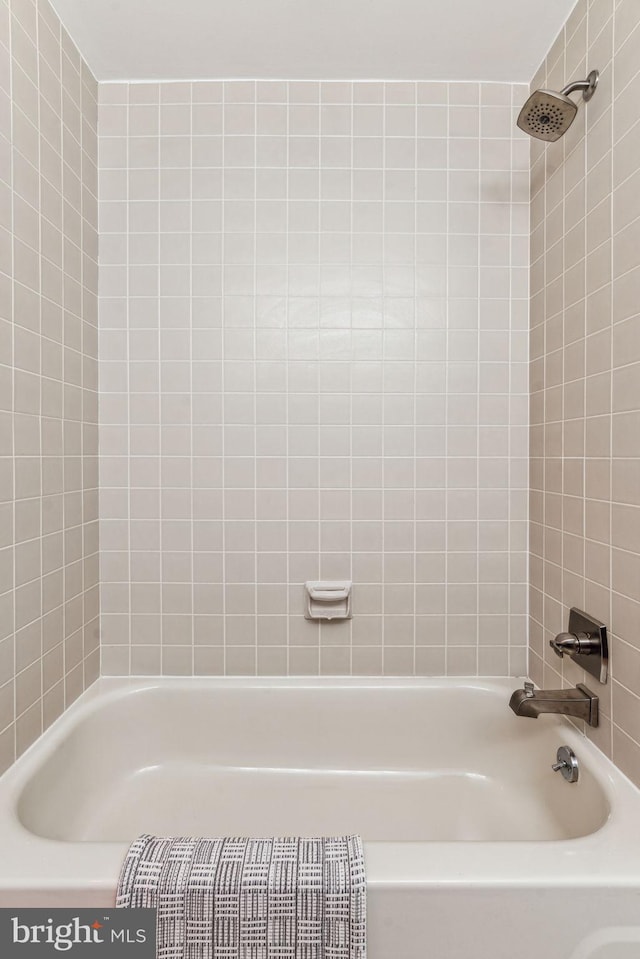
{"points": [[465, 824]]}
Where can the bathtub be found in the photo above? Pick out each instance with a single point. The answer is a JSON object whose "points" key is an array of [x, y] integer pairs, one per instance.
{"points": [[473, 845]]}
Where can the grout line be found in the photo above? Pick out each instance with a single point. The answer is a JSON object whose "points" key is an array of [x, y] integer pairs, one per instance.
{"points": [[168, 81], [383, 279], [447, 663], [416, 341], [349, 624], [223, 428], [478, 417], [40, 416], [287, 386], [127, 314], [256, 664], [611, 364], [191, 372], [13, 394]]}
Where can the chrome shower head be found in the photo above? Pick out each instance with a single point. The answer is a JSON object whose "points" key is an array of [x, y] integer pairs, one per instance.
{"points": [[548, 115]]}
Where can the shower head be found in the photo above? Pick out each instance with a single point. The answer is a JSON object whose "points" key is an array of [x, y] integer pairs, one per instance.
{"points": [[548, 115]]}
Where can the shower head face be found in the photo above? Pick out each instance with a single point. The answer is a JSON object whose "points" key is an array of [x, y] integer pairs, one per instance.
{"points": [[547, 115]]}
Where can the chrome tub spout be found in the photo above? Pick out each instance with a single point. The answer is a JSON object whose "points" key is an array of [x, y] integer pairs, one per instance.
{"points": [[580, 703]]}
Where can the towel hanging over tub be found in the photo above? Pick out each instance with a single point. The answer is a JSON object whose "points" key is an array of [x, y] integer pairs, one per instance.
{"points": [[288, 898]]}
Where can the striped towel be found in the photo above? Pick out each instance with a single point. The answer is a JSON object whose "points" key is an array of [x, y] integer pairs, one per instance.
{"points": [[287, 898]]}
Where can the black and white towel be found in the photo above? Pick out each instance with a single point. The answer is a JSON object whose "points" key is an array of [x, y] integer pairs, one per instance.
{"points": [[288, 898]]}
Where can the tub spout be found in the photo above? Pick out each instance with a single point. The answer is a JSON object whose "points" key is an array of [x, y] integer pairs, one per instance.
{"points": [[580, 703]]}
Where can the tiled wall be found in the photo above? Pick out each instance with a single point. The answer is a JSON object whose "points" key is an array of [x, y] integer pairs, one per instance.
{"points": [[313, 364], [48, 374], [585, 366]]}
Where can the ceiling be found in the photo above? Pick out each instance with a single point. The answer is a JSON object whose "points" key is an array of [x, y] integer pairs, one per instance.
{"points": [[312, 39]]}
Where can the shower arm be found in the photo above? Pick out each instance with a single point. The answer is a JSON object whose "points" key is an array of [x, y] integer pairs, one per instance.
{"points": [[587, 86], [576, 85]]}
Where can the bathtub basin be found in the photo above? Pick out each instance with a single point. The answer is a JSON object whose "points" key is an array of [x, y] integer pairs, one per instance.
{"points": [[454, 797]]}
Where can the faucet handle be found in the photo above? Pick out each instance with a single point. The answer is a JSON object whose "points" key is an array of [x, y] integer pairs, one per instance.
{"points": [[565, 643], [572, 643], [528, 690]]}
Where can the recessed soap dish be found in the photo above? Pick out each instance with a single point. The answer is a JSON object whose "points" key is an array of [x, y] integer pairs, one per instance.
{"points": [[327, 600]]}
